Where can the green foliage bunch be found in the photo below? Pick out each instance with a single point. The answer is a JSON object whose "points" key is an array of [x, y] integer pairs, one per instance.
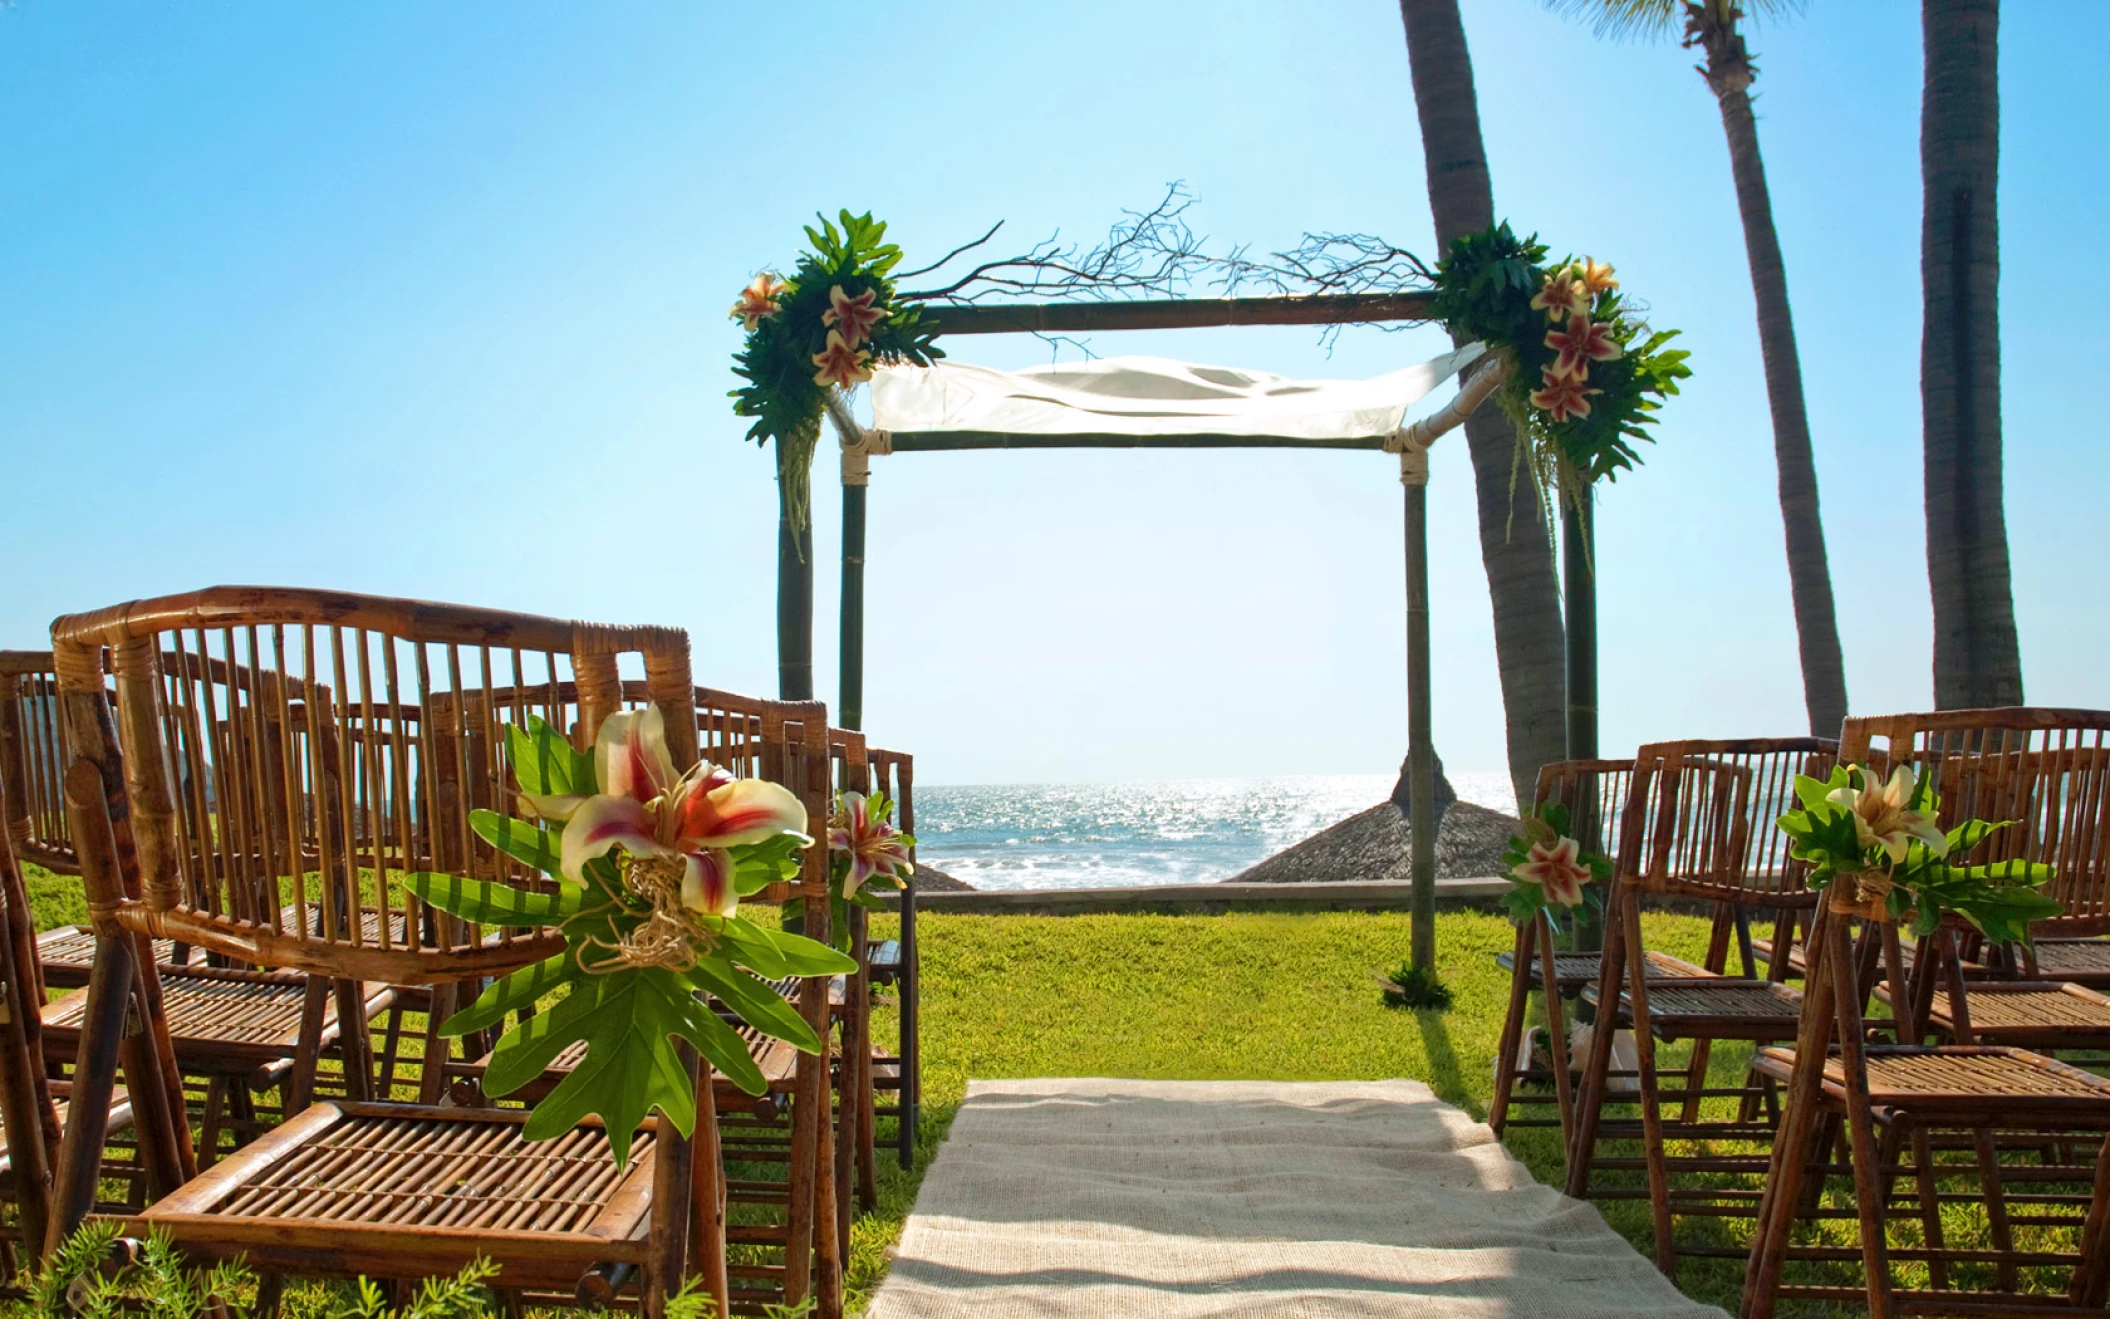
{"points": [[800, 344], [636, 961], [1881, 840], [1486, 287], [1549, 871]]}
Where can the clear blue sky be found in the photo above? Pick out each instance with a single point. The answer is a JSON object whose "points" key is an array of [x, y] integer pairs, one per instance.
{"points": [[429, 299]]}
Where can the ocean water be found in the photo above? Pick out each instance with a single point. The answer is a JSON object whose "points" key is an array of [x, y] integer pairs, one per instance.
{"points": [[1113, 835]]}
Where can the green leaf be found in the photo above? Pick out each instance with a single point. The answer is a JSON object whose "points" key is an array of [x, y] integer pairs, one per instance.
{"points": [[494, 904], [529, 844], [527, 1050], [517, 992], [757, 1004], [633, 1063], [774, 954], [545, 763]]}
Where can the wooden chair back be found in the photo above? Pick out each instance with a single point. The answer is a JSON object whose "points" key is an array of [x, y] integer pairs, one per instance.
{"points": [[1596, 793], [1701, 822], [32, 766], [278, 758], [2047, 770]]}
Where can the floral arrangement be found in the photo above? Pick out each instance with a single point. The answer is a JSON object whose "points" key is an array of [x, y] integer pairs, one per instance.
{"points": [[1589, 373], [1548, 869], [649, 866], [864, 849], [1875, 843], [823, 329]]}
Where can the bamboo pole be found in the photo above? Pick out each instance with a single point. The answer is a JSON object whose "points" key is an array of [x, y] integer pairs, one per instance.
{"points": [[1178, 313], [852, 710], [1421, 751]]}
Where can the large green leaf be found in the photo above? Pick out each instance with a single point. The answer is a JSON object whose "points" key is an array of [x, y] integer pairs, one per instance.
{"points": [[545, 763], [527, 1050], [494, 904], [524, 842], [758, 1004], [514, 993], [775, 954], [632, 1063]]}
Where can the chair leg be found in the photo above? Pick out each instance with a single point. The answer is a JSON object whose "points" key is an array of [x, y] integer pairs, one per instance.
{"points": [[1930, 1206], [1651, 1100], [1995, 1196], [1556, 1031], [210, 1128], [1696, 1079], [1860, 1125], [94, 1081], [1512, 1028], [707, 1214], [2089, 1287], [1590, 1100], [1793, 1144]]}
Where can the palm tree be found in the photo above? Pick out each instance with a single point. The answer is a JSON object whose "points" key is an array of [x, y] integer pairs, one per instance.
{"points": [[1711, 25], [1977, 659], [1529, 640]]}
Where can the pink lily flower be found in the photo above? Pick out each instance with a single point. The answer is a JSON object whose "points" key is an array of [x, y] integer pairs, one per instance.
{"points": [[1583, 342], [663, 819], [1562, 296], [1557, 869], [874, 846], [758, 300], [1563, 396], [855, 317], [841, 364]]}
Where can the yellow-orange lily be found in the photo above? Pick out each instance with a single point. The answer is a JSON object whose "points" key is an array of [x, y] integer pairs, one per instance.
{"points": [[757, 300], [1596, 276]]}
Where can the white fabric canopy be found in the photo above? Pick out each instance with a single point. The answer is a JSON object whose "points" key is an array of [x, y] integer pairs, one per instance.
{"points": [[1151, 396]]}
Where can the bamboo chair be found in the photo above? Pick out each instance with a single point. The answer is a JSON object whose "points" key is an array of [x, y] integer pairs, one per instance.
{"points": [[2049, 771], [389, 1190], [1596, 793], [1709, 809], [2042, 769], [783, 1127], [897, 962], [32, 796]]}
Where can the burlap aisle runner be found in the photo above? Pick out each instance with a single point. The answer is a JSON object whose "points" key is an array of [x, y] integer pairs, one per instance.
{"points": [[1215, 1200]]}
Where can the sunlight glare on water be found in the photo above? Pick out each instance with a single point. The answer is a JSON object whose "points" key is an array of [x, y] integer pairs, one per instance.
{"points": [[1113, 835]]}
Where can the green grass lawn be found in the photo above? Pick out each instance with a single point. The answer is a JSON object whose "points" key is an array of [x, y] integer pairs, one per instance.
{"points": [[1245, 995]]}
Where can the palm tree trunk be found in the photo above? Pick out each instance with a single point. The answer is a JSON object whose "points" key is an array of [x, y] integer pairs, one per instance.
{"points": [[1728, 74], [1977, 658], [1517, 553]]}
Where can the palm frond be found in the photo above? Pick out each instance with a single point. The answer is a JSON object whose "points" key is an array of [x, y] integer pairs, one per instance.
{"points": [[1644, 20], [1650, 20]]}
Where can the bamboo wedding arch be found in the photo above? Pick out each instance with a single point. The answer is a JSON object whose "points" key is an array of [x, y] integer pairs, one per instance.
{"points": [[1410, 442]]}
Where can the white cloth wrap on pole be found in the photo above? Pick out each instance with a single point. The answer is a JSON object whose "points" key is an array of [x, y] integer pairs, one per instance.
{"points": [[1146, 396]]}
